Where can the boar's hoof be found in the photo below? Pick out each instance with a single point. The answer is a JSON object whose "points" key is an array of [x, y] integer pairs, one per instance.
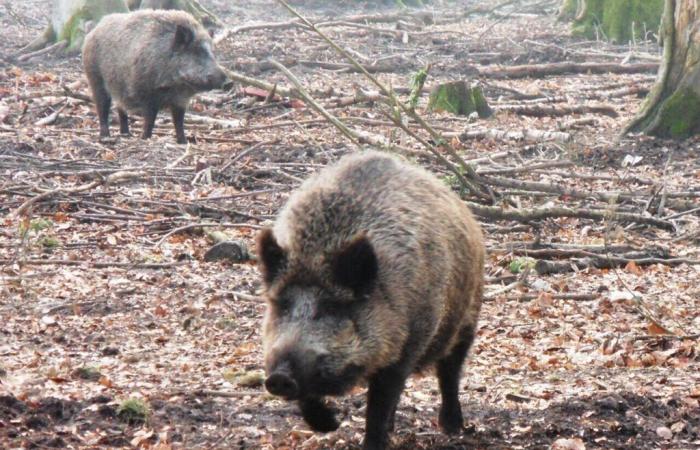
{"points": [[451, 422], [282, 384], [320, 417]]}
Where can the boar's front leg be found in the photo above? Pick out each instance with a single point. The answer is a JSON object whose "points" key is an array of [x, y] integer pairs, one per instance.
{"points": [[103, 101], [319, 416], [385, 389], [149, 120], [449, 371], [178, 114]]}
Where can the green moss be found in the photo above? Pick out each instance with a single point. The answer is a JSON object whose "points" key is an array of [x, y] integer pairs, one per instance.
{"points": [[74, 29], [459, 98], [620, 20], [133, 411], [679, 116], [87, 373]]}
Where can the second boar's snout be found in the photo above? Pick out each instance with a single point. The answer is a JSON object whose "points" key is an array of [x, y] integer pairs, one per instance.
{"points": [[218, 79], [281, 382]]}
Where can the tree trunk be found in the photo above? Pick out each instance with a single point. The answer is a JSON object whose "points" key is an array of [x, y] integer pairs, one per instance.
{"points": [[672, 108], [72, 19], [619, 21]]}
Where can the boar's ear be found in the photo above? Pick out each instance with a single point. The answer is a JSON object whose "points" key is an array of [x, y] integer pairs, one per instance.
{"points": [[355, 266], [184, 36], [271, 256]]}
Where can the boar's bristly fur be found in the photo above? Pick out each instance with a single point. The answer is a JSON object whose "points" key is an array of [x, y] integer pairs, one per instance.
{"points": [[373, 270], [148, 60]]}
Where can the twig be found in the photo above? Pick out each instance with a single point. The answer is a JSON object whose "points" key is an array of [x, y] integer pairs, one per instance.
{"points": [[576, 297], [51, 118], [51, 48], [203, 225], [350, 134], [470, 181]]}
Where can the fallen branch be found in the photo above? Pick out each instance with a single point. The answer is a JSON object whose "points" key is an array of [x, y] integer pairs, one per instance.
{"points": [[557, 111], [51, 48], [113, 178], [527, 135], [565, 68], [93, 265], [530, 214], [545, 267]]}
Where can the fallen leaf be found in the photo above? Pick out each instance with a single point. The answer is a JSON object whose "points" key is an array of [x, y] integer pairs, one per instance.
{"points": [[568, 444], [655, 329], [633, 268]]}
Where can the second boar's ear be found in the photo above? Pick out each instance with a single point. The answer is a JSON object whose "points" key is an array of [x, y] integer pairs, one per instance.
{"points": [[183, 36], [272, 258], [356, 266]]}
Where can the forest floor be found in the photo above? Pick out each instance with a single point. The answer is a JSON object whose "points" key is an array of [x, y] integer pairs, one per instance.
{"points": [[105, 295]]}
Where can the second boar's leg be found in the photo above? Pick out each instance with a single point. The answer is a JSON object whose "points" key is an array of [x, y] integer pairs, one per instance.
{"points": [[123, 122], [179, 122], [103, 102], [149, 120], [385, 388], [319, 416], [449, 371]]}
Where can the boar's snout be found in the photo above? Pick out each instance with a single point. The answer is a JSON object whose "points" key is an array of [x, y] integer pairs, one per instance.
{"points": [[281, 382], [217, 79]]}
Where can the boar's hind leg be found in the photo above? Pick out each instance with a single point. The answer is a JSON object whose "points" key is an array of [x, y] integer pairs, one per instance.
{"points": [[179, 122], [123, 122], [149, 120], [319, 416], [385, 388], [449, 371]]}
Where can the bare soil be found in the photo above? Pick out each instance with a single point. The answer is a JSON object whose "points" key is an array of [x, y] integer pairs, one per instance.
{"points": [[100, 301]]}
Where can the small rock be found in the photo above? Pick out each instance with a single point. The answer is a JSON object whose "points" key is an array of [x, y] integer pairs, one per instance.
{"points": [[664, 433], [568, 444], [234, 251]]}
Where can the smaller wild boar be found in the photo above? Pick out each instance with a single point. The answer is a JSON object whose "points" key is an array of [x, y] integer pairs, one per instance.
{"points": [[372, 271], [148, 60]]}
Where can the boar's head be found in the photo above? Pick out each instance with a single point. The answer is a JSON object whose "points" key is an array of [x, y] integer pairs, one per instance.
{"points": [[192, 65], [324, 326]]}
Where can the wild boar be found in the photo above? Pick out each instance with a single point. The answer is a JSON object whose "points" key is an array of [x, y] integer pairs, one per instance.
{"points": [[148, 60], [373, 270]]}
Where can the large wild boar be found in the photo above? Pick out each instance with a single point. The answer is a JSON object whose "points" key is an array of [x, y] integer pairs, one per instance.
{"points": [[148, 60], [372, 271]]}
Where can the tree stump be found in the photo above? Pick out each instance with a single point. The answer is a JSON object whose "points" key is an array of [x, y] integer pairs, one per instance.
{"points": [[460, 98]]}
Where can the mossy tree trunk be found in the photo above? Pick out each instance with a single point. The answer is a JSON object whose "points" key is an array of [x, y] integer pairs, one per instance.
{"points": [[72, 19], [614, 20], [672, 108]]}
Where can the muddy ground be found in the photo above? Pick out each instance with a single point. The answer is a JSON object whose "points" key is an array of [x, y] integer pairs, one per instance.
{"points": [[102, 299]]}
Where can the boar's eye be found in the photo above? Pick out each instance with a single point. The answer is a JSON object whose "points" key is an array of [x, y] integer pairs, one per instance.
{"points": [[356, 266], [283, 303], [183, 36], [273, 258]]}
